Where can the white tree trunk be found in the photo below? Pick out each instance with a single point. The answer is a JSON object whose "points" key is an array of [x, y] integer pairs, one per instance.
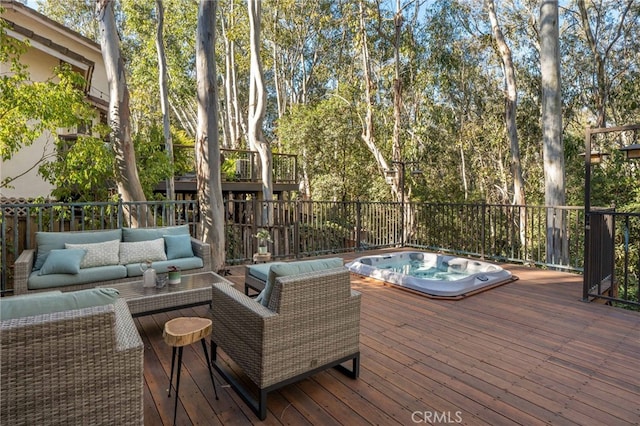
{"points": [[553, 147], [207, 150], [511, 106], [127, 178], [164, 102], [367, 126], [231, 95], [257, 106]]}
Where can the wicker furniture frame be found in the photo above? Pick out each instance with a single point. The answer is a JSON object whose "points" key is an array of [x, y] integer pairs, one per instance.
{"points": [[193, 290], [251, 282], [312, 323], [24, 266], [82, 367]]}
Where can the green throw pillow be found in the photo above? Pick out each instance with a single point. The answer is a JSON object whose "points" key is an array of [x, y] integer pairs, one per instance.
{"points": [[63, 261], [178, 246]]}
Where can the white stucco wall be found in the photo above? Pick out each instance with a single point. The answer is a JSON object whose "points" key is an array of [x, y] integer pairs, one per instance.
{"points": [[41, 61]]}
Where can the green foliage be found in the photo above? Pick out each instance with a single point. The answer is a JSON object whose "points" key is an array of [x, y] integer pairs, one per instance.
{"points": [[151, 157], [29, 108], [326, 135], [263, 236], [83, 170], [452, 91], [316, 239]]}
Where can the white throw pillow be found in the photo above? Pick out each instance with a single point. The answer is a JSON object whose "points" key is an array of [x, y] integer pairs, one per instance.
{"points": [[142, 251], [98, 254]]}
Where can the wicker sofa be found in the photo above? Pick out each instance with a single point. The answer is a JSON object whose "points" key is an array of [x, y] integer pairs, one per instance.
{"points": [[77, 367], [108, 263], [310, 323]]}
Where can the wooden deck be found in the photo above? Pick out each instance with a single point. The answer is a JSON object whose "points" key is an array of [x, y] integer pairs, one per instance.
{"points": [[528, 352]]}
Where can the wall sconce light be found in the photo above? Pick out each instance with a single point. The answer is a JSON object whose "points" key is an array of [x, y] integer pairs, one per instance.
{"points": [[631, 151], [596, 157], [389, 174]]}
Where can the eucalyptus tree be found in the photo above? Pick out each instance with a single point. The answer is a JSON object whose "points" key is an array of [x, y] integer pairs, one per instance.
{"points": [[127, 179], [368, 131], [511, 103], [257, 107], [609, 34], [553, 147], [511, 107], [79, 15], [136, 23], [164, 98], [340, 167], [211, 225], [232, 24], [302, 38], [464, 127]]}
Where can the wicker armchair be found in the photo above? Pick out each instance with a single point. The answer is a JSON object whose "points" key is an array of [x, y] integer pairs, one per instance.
{"points": [[83, 366], [312, 323]]}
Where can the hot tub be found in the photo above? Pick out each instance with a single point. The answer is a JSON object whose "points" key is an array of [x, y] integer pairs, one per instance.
{"points": [[431, 273]]}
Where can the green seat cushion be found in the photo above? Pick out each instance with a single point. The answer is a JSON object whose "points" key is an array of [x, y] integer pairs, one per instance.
{"points": [[178, 246], [47, 241], [89, 275], [55, 302], [295, 268], [261, 270], [130, 235], [65, 261]]}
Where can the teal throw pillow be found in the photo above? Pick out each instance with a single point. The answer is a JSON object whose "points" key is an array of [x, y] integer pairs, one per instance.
{"points": [[63, 261], [178, 246]]}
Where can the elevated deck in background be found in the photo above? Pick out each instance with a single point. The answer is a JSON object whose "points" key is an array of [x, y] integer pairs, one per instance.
{"points": [[241, 173], [528, 352]]}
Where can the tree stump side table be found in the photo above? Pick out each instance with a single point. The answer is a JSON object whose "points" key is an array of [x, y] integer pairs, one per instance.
{"points": [[180, 332], [262, 257]]}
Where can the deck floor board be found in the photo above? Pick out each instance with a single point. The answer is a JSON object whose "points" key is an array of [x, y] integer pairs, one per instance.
{"points": [[527, 352]]}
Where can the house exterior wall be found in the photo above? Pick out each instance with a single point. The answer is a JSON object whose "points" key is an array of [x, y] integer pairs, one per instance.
{"points": [[51, 43]]}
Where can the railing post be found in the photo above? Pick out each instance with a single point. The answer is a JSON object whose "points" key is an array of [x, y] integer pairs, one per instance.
{"points": [[120, 211], [3, 254], [483, 206], [296, 230], [358, 226]]}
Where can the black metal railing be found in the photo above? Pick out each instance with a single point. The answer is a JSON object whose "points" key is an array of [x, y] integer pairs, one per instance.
{"points": [[239, 165], [613, 258], [310, 228], [497, 231]]}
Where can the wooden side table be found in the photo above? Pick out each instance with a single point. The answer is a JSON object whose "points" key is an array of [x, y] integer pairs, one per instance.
{"points": [[261, 257], [180, 332]]}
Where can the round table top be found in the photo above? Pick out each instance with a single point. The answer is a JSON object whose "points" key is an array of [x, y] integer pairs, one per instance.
{"points": [[183, 331]]}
